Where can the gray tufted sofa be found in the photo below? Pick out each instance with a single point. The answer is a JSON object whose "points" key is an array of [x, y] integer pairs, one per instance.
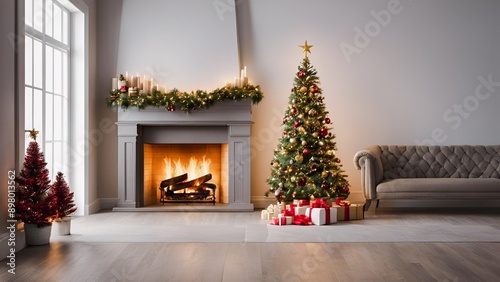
{"points": [[429, 172]]}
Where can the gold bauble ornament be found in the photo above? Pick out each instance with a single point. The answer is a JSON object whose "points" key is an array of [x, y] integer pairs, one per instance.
{"points": [[301, 129], [292, 140], [315, 134], [303, 89], [304, 143], [321, 143], [324, 174], [299, 158]]}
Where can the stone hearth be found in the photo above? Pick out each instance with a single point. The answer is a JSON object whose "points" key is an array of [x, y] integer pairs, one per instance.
{"points": [[227, 122]]}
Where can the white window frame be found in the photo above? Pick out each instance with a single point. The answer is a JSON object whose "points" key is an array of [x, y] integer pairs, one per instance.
{"points": [[45, 37], [77, 172]]}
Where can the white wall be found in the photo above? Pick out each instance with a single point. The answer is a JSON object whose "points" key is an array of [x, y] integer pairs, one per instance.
{"points": [[181, 44], [418, 66]]}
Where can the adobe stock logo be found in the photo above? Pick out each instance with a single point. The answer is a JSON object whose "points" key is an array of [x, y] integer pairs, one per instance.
{"points": [[363, 37], [458, 112]]}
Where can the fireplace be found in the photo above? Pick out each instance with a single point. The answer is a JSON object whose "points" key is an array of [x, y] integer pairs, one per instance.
{"points": [[166, 162], [153, 139]]}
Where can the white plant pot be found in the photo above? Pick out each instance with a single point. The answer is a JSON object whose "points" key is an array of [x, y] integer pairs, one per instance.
{"points": [[37, 235], [62, 227]]}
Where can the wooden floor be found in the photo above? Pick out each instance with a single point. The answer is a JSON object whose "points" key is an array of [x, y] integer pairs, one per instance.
{"points": [[430, 261], [64, 261]]}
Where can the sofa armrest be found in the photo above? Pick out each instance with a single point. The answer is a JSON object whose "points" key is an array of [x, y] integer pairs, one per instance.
{"points": [[369, 162]]}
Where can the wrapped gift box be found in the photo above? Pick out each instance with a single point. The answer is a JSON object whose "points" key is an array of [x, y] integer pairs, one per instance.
{"points": [[301, 210], [322, 216], [301, 203], [349, 212], [266, 215], [282, 220]]}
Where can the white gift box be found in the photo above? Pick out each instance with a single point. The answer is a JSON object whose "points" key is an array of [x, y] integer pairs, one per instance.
{"points": [[282, 220], [266, 215], [318, 215], [301, 210]]}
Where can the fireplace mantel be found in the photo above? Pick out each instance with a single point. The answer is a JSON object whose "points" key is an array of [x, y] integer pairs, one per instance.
{"points": [[235, 115]]}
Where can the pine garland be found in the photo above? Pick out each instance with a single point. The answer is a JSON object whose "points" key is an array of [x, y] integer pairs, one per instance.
{"points": [[187, 102]]}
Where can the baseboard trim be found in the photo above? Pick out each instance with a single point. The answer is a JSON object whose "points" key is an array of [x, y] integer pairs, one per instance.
{"points": [[101, 204], [4, 240], [108, 203], [4, 248], [262, 202]]}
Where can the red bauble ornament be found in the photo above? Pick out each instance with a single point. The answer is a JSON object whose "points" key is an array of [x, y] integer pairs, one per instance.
{"points": [[301, 182], [301, 73], [284, 133], [323, 132], [123, 89], [284, 120], [171, 108], [306, 151], [337, 160], [293, 111], [324, 185], [296, 124], [327, 120]]}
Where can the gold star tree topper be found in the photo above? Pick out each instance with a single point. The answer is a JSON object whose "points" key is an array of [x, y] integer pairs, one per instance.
{"points": [[33, 133], [306, 48]]}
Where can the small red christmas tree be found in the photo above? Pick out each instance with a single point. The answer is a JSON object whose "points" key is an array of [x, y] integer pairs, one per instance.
{"points": [[35, 200], [64, 204]]}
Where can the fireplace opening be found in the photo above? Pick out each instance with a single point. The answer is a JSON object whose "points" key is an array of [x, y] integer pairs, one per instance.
{"points": [[194, 172]]}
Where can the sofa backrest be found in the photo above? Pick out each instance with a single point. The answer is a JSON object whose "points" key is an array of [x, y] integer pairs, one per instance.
{"points": [[440, 161]]}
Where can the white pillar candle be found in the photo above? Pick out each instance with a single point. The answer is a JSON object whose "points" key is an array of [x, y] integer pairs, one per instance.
{"points": [[114, 83]]}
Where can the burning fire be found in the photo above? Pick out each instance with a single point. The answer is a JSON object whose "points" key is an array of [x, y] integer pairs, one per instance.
{"points": [[194, 168]]}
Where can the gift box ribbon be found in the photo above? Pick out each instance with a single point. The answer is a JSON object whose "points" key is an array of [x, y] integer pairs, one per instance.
{"points": [[303, 203], [301, 219], [346, 206]]}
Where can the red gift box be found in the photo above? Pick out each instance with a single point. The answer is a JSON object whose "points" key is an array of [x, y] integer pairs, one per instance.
{"points": [[279, 220]]}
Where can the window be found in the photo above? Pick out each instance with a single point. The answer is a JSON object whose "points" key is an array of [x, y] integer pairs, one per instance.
{"points": [[47, 67]]}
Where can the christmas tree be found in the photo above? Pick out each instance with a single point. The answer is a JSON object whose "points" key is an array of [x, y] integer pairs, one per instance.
{"points": [[35, 200], [304, 162], [63, 197]]}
